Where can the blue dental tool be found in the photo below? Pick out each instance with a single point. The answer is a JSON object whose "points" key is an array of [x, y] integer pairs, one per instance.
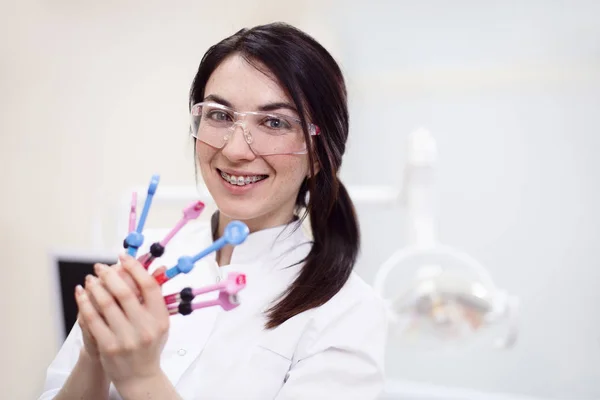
{"points": [[135, 239], [235, 233]]}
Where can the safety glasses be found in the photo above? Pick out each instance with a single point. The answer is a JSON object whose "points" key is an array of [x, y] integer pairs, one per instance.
{"points": [[266, 133]]}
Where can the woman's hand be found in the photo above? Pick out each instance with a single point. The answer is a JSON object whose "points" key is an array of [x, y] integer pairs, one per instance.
{"points": [[129, 334], [89, 342]]}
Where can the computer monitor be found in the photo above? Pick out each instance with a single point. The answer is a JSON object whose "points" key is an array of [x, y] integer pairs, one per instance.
{"points": [[70, 270]]}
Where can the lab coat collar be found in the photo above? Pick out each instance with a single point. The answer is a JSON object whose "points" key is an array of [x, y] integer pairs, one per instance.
{"points": [[267, 243]]}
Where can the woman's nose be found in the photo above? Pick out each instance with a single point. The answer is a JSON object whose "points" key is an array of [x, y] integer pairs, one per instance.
{"points": [[237, 148]]}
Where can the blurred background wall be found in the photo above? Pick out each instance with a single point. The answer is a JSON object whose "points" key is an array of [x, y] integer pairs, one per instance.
{"points": [[93, 99]]}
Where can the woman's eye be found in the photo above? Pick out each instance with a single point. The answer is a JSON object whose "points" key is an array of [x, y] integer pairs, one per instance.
{"points": [[277, 123], [218, 116]]}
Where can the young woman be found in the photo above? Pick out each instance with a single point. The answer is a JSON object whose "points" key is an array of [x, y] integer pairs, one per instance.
{"points": [[270, 123]]}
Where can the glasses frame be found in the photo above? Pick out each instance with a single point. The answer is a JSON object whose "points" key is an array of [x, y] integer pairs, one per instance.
{"points": [[239, 120]]}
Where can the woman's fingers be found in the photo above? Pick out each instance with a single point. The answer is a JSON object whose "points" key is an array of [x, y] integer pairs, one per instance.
{"points": [[108, 307], [92, 320], [150, 289], [114, 283], [122, 273]]}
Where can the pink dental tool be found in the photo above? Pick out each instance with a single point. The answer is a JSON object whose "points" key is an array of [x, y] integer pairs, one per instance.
{"points": [[157, 249], [227, 299], [132, 212]]}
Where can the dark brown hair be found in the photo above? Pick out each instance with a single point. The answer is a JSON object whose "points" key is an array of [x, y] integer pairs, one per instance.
{"points": [[314, 82]]}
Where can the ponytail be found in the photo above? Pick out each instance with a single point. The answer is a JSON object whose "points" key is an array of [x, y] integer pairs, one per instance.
{"points": [[331, 260]]}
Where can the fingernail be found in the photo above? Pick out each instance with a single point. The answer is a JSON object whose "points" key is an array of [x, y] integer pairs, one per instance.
{"points": [[98, 268], [78, 290], [128, 262]]}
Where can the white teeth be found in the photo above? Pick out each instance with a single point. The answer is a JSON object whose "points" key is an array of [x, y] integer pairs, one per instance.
{"points": [[241, 180]]}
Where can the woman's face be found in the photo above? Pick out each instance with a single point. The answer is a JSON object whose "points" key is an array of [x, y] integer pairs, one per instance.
{"points": [[267, 202]]}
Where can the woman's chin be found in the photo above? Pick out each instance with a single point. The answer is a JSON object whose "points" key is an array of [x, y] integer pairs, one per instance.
{"points": [[240, 212]]}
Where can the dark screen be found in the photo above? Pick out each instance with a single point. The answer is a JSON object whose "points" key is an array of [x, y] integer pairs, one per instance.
{"points": [[72, 272]]}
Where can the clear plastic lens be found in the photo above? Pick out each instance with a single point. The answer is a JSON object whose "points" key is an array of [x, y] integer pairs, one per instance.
{"points": [[266, 133]]}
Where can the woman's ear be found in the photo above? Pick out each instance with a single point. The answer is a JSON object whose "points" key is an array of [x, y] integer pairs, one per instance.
{"points": [[316, 167]]}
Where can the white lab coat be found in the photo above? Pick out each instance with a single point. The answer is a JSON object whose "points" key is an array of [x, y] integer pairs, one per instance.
{"points": [[335, 351]]}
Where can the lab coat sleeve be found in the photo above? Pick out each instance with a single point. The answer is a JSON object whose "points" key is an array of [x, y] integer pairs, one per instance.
{"points": [[60, 368], [345, 359]]}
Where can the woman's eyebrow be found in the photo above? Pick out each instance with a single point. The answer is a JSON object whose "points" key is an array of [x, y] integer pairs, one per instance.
{"points": [[266, 107], [278, 106], [218, 99]]}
